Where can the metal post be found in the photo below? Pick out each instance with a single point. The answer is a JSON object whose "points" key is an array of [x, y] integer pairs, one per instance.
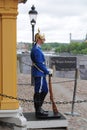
{"points": [[32, 79], [33, 14], [72, 113], [32, 35], [74, 94]]}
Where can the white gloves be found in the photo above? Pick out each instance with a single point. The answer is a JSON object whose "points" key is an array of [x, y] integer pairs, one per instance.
{"points": [[50, 71]]}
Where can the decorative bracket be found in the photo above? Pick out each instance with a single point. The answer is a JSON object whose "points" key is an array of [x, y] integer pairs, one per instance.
{"points": [[22, 1]]}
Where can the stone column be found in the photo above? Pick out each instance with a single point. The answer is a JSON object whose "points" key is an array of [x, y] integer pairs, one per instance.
{"points": [[8, 74]]}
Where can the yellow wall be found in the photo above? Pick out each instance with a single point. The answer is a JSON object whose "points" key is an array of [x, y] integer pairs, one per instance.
{"points": [[0, 56], [8, 14]]}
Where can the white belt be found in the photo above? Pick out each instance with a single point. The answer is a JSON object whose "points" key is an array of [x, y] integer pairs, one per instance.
{"points": [[37, 67]]}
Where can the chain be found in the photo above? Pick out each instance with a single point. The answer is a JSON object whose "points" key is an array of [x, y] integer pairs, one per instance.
{"points": [[16, 98], [11, 125], [52, 82], [63, 81], [45, 102], [26, 64]]}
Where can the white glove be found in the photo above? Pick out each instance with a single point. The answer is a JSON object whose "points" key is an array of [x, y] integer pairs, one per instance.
{"points": [[50, 71]]}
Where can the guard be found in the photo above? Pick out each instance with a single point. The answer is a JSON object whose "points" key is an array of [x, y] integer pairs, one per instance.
{"points": [[39, 72]]}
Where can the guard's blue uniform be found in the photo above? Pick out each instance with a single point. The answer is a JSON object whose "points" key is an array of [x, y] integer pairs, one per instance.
{"points": [[39, 71]]}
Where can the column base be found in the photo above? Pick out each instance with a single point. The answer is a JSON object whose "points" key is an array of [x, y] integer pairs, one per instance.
{"points": [[9, 104], [14, 117]]}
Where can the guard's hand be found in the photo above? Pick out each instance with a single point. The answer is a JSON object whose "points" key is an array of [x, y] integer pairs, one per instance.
{"points": [[50, 72]]}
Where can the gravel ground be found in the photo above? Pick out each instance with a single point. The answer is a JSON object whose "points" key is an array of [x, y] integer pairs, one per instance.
{"points": [[63, 91]]}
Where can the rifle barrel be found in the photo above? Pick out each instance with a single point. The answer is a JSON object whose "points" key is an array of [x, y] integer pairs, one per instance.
{"points": [[54, 107]]}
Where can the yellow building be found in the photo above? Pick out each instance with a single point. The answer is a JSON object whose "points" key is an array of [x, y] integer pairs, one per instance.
{"points": [[8, 86]]}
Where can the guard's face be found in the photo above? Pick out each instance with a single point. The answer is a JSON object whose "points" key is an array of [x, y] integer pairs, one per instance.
{"points": [[43, 40]]}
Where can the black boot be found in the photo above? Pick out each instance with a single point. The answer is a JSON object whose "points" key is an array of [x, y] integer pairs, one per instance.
{"points": [[37, 101], [42, 96], [37, 105]]}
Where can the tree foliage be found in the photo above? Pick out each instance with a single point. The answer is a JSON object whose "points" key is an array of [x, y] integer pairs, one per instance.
{"points": [[73, 48]]}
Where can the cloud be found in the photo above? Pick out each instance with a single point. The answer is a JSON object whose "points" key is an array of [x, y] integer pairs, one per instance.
{"points": [[61, 8], [56, 18]]}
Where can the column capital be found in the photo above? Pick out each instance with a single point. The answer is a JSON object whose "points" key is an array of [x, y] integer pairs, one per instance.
{"points": [[8, 6]]}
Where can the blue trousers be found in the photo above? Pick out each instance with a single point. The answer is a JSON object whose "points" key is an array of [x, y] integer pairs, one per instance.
{"points": [[40, 84]]}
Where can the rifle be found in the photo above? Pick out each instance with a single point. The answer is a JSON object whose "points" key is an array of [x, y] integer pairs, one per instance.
{"points": [[54, 108]]}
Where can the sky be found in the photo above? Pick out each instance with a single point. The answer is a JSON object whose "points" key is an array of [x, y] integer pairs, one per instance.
{"points": [[56, 19]]}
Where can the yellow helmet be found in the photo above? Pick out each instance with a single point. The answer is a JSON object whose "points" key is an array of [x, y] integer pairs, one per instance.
{"points": [[39, 36]]}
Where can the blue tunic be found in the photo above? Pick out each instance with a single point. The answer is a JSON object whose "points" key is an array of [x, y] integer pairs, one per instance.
{"points": [[38, 59], [39, 71]]}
